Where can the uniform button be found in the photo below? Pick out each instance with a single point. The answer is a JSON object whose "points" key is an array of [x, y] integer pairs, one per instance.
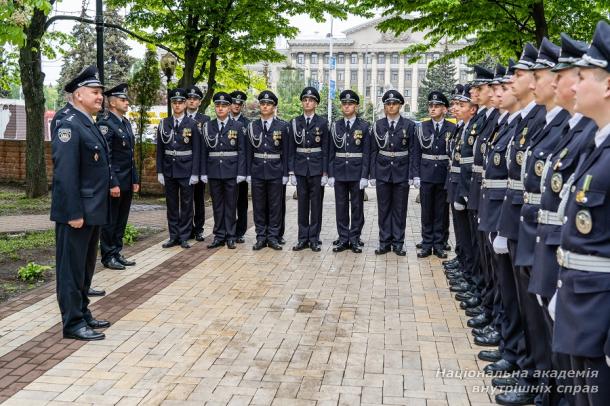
{"points": [[573, 189], [565, 219], [537, 239], [392, 163], [346, 162], [308, 158], [264, 162], [521, 218], [173, 159], [504, 197], [265, 144], [391, 144], [221, 161], [559, 284], [435, 165]]}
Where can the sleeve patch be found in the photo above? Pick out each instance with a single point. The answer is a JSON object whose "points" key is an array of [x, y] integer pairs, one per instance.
{"points": [[64, 134]]}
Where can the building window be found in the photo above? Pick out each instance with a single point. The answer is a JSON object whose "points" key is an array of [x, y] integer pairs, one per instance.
{"points": [[368, 76], [422, 59], [368, 59], [314, 76], [395, 58], [381, 77], [326, 59], [301, 59], [379, 91], [340, 76], [394, 77], [407, 57], [381, 58], [301, 74], [407, 93], [368, 91], [421, 74], [341, 58], [463, 59], [408, 75], [314, 58], [325, 75], [407, 108], [354, 59], [436, 56], [463, 77], [353, 76]]}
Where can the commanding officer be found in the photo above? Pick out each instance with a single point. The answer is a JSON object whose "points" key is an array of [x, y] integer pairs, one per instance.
{"points": [[392, 170], [308, 166], [80, 203], [348, 170], [224, 166], [268, 171], [119, 135], [582, 324], [431, 148], [178, 168], [238, 99], [194, 95]]}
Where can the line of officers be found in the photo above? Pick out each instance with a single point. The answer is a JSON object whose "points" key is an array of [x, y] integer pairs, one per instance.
{"points": [[529, 189]]}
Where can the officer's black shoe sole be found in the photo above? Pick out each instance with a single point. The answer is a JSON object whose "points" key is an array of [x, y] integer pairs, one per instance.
{"points": [[216, 244], [459, 288], [490, 340], [440, 254], [450, 261], [447, 247], [470, 303], [483, 331], [315, 247], [114, 264], [513, 398], [300, 246], [400, 252], [360, 243], [336, 242], [381, 251], [259, 245], [171, 243], [274, 245], [199, 237], [500, 366], [424, 253], [84, 334], [124, 261], [461, 296], [418, 245], [95, 292], [185, 245], [478, 321], [282, 241], [98, 323], [489, 355], [341, 247], [240, 240]]}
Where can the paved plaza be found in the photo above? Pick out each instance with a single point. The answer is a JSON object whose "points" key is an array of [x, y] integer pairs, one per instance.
{"points": [[239, 327]]}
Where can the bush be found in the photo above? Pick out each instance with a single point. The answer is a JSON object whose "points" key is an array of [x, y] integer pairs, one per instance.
{"points": [[131, 234], [32, 271]]}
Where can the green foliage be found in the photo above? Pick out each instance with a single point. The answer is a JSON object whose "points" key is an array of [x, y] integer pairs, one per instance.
{"points": [[289, 89], [10, 245], [51, 98], [495, 28], [15, 201], [131, 234], [15, 17], [440, 77], [9, 69], [32, 271]]}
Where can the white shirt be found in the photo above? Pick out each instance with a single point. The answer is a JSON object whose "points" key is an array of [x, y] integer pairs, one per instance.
{"points": [[308, 117], [601, 135], [191, 114], [438, 123], [502, 116], [351, 121], [550, 115], [178, 119], [527, 109], [225, 122], [575, 119], [236, 117], [513, 116], [489, 111], [269, 122]]}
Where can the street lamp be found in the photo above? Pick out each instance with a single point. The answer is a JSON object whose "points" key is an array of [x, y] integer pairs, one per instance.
{"points": [[168, 66]]}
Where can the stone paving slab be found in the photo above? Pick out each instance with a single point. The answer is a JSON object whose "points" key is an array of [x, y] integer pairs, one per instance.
{"points": [[233, 327]]}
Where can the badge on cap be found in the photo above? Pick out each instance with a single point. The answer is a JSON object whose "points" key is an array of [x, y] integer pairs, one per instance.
{"points": [[434, 97], [64, 134], [391, 95], [308, 91], [222, 97], [584, 222]]}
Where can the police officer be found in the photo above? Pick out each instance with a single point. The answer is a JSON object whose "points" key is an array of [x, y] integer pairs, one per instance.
{"points": [[63, 112], [178, 167], [80, 203], [582, 328], [431, 147], [267, 171], [393, 168], [238, 99], [348, 170], [308, 166], [224, 166], [119, 136]]}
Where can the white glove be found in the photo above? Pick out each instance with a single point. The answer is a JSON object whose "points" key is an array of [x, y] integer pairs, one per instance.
{"points": [[410, 182], [552, 306], [500, 245], [331, 182], [373, 182], [241, 179], [459, 206], [324, 180], [284, 180], [248, 179], [363, 183], [204, 178], [293, 180], [193, 180], [608, 360], [466, 199], [161, 179], [416, 182], [539, 299]]}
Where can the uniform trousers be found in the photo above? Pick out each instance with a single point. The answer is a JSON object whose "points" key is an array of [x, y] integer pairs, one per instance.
{"points": [[463, 237], [179, 201], [309, 191], [242, 209], [199, 206], [599, 382], [267, 202], [75, 257], [111, 240], [432, 198], [224, 205], [348, 203], [392, 201]]}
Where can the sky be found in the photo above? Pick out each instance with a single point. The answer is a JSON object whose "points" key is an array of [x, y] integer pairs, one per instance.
{"points": [[308, 29]]}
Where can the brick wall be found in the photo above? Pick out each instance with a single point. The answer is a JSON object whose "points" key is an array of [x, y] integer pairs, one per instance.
{"points": [[12, 165]]}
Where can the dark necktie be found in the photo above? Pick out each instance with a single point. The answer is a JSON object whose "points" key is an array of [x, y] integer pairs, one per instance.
{"points": [[307, 121], [176, 123], [437, 129], [266, 126], [348, 126], [392, 126], [222, 126]]}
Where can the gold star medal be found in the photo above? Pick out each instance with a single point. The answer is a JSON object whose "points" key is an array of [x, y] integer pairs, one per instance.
{"points": [[523, 134]]}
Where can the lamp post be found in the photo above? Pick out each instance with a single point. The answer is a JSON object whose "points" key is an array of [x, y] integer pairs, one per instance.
{"points": [[168, 66], [99, 28], [331, 73]]}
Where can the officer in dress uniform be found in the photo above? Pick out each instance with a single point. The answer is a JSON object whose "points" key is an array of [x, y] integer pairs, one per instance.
{"points": [[267, 171], [80, 203], [63, 112], [559, 166], [308, 166], [431, 148], [532, 118], [393, 168], [178, 167], [348, 170], [238, 99], [582, 322], [119, 136], [224, 167], [194, 95]]}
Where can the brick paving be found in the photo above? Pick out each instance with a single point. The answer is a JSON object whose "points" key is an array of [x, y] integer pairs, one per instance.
{"points": [[222, 327]]}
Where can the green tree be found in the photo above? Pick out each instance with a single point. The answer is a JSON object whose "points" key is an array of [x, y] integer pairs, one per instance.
{"points": [[144, 89], [496, 28], [289, 89], [51, 97], [440, 77]]}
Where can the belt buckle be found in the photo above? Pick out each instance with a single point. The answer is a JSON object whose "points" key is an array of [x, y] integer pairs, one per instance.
{"points": [[264, 155], [308, 150], [526, 197], [392, 154]]}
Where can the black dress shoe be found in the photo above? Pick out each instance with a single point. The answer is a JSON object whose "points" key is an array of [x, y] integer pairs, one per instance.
{"points": [[93, 323], [95, 292], [478, 321], [274, 245], [300, 246], [501, 365], [281, 241], [360, 243], [185, 244], [315, 247], [419, 245], [454, 274], [461, 296], [113, 263], [489, 355], [440, 253], [460, 287], [446, 247], [424, 253], [170, 243], [381, 251], [356, 249], [240, 240], [84, 334], [488, 340], [216, 244], [400, 252], [451, 266], [319, 242], [231, 245], [481, 331], [341, 247], [475, 311], [459, 281], [336, 242], [516, 398], [451, 261], [259, 245], [124, 261], [470, 303], [503, 382]]}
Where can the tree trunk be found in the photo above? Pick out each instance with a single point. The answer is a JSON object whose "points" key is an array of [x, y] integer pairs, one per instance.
{"points": [[207, 98], [541, 28], [32, 82]]}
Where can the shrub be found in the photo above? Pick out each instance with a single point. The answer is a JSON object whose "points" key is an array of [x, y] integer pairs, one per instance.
{"points": [[131, 234], [32, 271]]}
